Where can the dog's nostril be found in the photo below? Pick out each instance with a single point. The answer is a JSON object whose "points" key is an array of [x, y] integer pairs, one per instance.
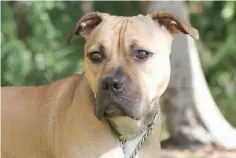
{"points": [[118, 86], [104, 86]]}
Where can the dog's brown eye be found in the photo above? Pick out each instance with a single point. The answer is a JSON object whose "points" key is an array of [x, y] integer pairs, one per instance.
{"points": [[142, 54], [95, 57]]}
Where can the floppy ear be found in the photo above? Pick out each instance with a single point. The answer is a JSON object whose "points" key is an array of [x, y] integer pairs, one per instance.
{"points": [[174, 25], [86, 25]]}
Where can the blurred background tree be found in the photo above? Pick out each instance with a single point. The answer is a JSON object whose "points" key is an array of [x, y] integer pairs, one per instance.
{"points": [[216, 22], [192, 117], [34, 51]]}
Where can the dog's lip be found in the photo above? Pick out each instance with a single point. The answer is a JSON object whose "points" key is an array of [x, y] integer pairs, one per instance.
{"points": [[114, 114], [124, 100], [119, 111], [109, 112]]}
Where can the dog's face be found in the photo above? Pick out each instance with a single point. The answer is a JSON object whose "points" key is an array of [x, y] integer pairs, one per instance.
{"points": [[127, 60]]}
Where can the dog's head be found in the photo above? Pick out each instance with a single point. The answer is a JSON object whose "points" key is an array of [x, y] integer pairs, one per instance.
{"points": [[127, 60]]}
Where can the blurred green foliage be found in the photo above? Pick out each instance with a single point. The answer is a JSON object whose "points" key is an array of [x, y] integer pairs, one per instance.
{"points": [[216, 22], [34, 50]]}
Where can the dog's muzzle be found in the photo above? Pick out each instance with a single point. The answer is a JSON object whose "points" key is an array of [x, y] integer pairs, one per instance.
{"points": [[113, 84], [109, 96]]}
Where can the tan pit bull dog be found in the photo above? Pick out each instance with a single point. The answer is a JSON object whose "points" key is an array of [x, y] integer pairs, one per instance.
{"points": [[109, 111]]}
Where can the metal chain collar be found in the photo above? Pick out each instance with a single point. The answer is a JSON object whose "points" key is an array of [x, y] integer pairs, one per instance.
{"points": [[124, 140]]}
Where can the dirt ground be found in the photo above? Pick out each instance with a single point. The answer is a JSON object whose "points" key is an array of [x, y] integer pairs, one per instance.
{"points": [[197, 154]]}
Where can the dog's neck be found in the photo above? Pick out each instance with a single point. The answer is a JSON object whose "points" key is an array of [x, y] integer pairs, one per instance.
{"points": [[132, 131], [130, 128]]}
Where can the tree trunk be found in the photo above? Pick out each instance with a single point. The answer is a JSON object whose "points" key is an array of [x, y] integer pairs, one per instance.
{"points": [[193, 118]]}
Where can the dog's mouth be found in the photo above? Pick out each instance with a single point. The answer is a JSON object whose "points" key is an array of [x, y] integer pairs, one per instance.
{"points": [[110, 105], [115, 111], [112, 111]]}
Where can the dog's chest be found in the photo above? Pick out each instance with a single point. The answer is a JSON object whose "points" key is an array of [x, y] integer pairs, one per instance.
{"points": [[131, 148], [126, 151], [131, 145]]}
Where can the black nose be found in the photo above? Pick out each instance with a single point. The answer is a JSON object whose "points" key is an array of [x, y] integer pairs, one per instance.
{"points": [[114, 83]]}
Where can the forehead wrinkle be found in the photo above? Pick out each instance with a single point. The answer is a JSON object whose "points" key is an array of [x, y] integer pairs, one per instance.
{"points": [[115, 39], [116, 25], [122, 35]]}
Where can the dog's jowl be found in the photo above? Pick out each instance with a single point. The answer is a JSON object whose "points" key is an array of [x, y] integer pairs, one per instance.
{"points": [[112, 108]]}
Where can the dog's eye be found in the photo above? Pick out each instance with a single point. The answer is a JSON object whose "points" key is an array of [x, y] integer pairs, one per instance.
{"points": [[95, 57], [142, 54]]}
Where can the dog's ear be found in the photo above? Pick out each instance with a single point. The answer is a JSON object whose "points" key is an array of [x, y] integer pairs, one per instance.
{"points": [[86, 24], [174, 25]]}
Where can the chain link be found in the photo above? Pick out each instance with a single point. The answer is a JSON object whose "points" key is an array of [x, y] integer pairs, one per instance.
{"points": [[122, 144], [149, 130]]}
